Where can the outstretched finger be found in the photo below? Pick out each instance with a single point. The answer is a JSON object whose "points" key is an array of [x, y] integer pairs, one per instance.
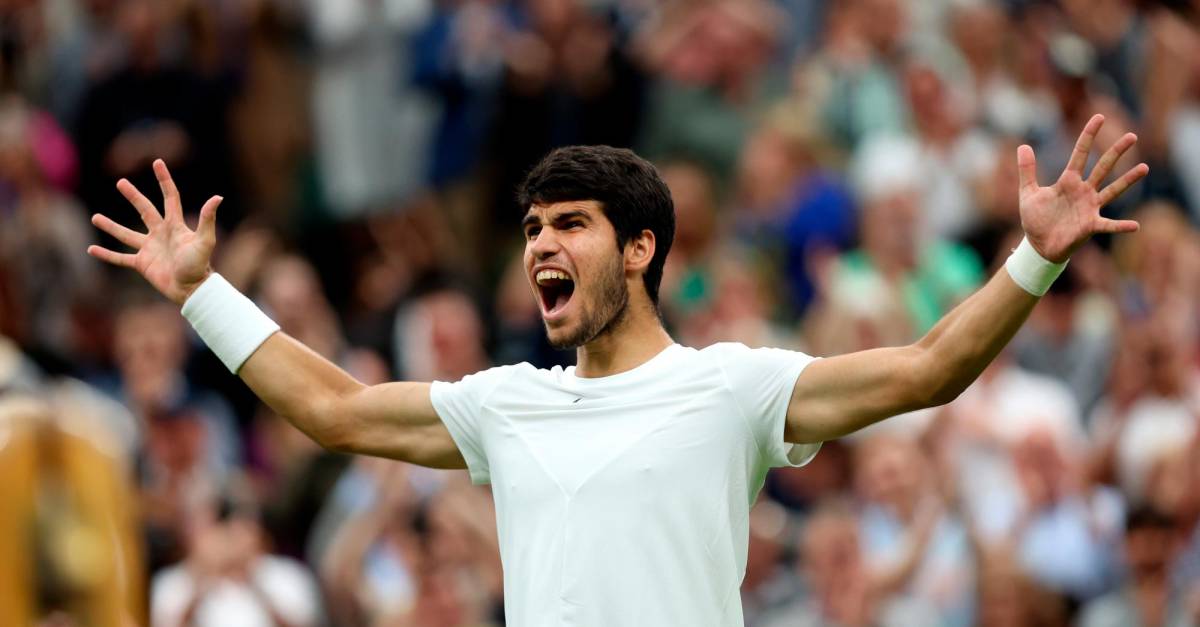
{"points": [[1110, 158], [1083, 146], [1026, 167], [145, 208], [172, 206], [124, 260], [1118, 187], [1104, 225], [207, 227], [126, 236]]}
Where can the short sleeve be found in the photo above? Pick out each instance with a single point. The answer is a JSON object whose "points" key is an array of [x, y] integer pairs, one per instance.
{"points": [[460, 406], [762, 380]]}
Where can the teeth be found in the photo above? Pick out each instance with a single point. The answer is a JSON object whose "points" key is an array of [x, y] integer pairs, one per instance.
{"points": [[550, 275]]}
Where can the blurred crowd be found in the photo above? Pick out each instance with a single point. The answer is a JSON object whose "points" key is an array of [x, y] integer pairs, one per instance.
{"points": [[843, 173]]}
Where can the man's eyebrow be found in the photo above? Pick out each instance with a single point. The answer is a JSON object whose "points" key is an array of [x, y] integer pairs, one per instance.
{"points": [[570, 215], [556, 218]]}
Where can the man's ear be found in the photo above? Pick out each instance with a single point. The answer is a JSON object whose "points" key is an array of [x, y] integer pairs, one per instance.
{"points": [[639, 251]]}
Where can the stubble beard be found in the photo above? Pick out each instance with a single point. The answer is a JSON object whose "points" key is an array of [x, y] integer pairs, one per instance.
{"points": [[612, 303]]}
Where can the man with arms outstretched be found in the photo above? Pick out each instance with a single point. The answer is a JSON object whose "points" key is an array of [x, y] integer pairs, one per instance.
{"points": [[622, 484]]}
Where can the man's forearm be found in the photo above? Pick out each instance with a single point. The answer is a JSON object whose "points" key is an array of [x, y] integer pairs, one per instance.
{"points": [[967, 339], [301, 386], [395, 420], [296, 382]]}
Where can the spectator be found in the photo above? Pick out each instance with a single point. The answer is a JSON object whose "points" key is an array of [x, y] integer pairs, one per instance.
{"points": [[155, 105], [41, 230], [1066, 532], [712, 63], [854, 76], [928, 276], [910, 541], [1070, 336], [228, 578], [1151, 414], [1146, 599], [371, 125], [840, 587], [790, 205]]}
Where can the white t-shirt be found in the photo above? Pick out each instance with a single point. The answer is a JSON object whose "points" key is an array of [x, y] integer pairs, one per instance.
{"points": [[623, 501], [292, 591]]}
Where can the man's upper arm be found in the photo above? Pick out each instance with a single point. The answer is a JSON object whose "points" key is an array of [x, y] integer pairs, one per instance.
{"points": [[762, 380], [839, 395], [397, 420]]}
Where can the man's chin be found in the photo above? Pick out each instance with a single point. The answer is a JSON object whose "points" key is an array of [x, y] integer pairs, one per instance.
{"points": [[563, 341], [563, 338]]}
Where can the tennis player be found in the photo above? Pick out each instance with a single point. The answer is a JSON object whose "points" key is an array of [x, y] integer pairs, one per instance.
{"points": [[622, 484]]}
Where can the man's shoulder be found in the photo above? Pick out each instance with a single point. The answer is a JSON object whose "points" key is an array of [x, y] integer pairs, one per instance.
{"points": [[722, 349], [519, 376], [725, 351], [503, 372]]}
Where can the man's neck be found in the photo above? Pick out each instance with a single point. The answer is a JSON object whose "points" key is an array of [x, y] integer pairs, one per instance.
{"points": [[629, 344]]}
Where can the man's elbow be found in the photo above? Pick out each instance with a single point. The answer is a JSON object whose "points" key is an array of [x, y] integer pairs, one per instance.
{"points": [[335, 439], [326, 424], [944, 393], [932, 382]]}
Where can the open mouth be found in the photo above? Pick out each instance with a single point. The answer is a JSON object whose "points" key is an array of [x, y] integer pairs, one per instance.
{"points": [[555, 288]]}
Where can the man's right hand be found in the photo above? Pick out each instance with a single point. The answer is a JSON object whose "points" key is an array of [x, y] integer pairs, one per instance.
{"points": [[172, 257]]}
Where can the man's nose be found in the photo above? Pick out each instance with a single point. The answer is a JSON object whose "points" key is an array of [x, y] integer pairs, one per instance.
{"points": [[545, 244]]}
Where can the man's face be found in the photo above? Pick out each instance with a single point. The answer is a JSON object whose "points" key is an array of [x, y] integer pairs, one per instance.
{"points": [[575, 270]]}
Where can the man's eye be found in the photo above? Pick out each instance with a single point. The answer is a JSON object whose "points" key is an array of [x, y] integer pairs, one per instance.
{"points": [[532, 233], [573, 224]]}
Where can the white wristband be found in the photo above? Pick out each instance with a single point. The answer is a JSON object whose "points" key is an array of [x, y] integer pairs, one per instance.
{"points": [[1032, 271], [230, 324]]}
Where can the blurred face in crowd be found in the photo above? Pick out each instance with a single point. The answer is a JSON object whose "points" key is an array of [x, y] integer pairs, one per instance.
{"points": [[834, 567], [692, 193], [17, 165], [889, 472], [141, 21], [291, 289], [177, 443], [978, 31], [1170, 484], [768, 170], [443, 337], [1148, 551], [456, 332], [1041, 468], [725, 43], [576, 272], [930, 101], [224, 543], [830, 547], [889, 229], [149, 347], [883, 23]]}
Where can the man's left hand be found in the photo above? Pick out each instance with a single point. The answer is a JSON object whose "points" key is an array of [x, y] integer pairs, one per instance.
{"points": [[1058, 219]]}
